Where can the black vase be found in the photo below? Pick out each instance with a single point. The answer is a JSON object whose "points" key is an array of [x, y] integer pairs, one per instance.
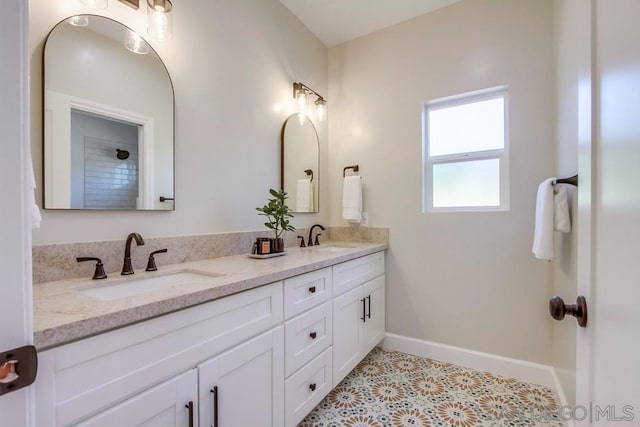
{"points": [[277, 245]]}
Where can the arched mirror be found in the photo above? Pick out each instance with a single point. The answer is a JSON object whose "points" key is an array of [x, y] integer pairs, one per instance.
{"points": [[300, 161], [108, 119]]}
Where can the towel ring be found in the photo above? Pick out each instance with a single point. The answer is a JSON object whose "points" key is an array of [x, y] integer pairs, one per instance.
{"points": [[355, 168], [309, 172]]}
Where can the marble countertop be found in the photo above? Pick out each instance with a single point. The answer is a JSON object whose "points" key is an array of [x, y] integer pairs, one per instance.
{"points": [[63, 313]]}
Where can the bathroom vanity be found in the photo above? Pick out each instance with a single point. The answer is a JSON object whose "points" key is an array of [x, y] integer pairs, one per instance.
{"points": [[251, 343]]}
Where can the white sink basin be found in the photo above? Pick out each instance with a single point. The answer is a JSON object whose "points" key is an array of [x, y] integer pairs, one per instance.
{"points": [[126, 287], [332, 248]]}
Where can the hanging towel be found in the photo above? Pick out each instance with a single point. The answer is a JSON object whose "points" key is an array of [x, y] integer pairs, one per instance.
{"points": [[35, 215], [543, 234], [304, 196], [562, 220], [352, 198]]}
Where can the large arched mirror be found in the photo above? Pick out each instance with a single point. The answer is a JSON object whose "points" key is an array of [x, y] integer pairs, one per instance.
{"points": [[300, 161], [108, 119]]}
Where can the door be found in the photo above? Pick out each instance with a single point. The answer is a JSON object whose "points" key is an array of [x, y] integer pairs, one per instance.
{"points": [[172, 403], [245, 384], [607, 386], [348, 317], [374, 323], [16, 329]]}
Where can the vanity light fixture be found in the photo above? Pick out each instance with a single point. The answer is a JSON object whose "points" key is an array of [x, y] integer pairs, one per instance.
{"points": [[301, 94], [79, 20], [135, 44], [159, 20]]}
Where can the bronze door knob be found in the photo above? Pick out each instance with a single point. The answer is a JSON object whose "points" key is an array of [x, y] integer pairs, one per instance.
{"points": [[558, 309]]}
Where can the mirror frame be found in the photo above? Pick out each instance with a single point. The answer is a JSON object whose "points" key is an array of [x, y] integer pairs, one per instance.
{"points": [[42, 117], [317, 175]]}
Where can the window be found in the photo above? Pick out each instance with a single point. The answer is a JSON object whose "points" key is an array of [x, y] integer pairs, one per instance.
{"points": [[465, 152]]}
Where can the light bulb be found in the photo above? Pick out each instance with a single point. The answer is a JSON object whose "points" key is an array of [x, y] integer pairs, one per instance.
{"points": [[159, 19], [301, 98], [95, 4], [79, 20], [135, 44], [301, 119], [321, 109]]}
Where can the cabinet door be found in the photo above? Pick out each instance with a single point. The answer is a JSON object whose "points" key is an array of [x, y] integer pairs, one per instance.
{"points": [[247, 382], [348, 313], [164, 405], [374, 321]]}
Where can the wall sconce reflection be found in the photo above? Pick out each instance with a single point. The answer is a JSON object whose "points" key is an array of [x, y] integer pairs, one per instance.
{"points": [[135, 44]]}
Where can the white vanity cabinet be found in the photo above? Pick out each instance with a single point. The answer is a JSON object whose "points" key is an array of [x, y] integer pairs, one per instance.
{"points": [[264, 357], [358, 314]]}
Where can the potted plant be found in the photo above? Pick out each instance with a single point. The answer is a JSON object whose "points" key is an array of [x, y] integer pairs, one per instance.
{"points": [[278, 214]]}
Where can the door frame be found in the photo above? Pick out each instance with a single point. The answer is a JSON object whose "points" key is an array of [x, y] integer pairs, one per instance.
{"points": [[58, 107], [587, 156], [16, 304]]}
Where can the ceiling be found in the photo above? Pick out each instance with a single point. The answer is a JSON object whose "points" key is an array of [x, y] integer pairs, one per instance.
{"points": [[337, 21]]}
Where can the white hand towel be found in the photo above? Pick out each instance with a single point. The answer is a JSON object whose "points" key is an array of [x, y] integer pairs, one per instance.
{"points": [[562, 220], [304, 196], [543, 235], [352, 198]]}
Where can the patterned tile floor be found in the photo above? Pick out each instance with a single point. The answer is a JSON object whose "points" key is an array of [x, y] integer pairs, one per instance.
{"points": [[395, 389]]}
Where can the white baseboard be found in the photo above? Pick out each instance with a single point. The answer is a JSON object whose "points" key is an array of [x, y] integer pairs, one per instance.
{"points": [[519, 369]]}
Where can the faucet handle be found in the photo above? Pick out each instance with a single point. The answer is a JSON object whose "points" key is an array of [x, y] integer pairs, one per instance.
{"points": [[99, 272], [302, 245], [317, 242], [151, 264]]}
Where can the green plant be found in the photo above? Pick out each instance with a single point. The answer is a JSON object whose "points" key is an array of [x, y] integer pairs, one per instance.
{"points": [[277, 213]]}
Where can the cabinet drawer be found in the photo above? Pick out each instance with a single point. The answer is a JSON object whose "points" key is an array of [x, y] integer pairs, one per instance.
{"points": [[305, 389], [306, 291], [353, 273], [306, 336], [87, 376]]}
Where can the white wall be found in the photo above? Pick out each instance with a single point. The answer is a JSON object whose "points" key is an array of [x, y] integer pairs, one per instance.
{"points": [[232, 64], [567, 38], [463, 279]]}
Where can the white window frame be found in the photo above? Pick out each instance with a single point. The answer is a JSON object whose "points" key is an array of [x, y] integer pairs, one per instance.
{"points": [[428, 162]]}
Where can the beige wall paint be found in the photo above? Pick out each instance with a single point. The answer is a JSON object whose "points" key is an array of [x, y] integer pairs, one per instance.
{"points": [[567, 39], [463, 279], [231, 62]]}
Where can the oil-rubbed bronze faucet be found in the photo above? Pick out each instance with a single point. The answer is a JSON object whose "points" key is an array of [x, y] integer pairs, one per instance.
{"points": [[127, 268], [310, 241]]}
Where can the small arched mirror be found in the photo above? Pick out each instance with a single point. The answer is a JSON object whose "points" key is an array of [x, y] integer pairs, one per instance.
{"points": [[108, 119], [300, 161]]}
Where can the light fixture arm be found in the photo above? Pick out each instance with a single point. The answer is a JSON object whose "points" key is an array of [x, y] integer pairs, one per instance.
{"points": [[297, 86]]}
